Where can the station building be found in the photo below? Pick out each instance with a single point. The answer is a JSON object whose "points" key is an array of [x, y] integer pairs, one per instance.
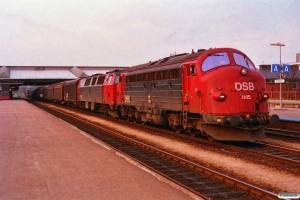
{"points": [[290, 88]]}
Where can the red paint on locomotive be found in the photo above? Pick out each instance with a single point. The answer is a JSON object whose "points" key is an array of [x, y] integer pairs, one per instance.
{"points": [[121, 89], [110, 88], [110, 91], [224, 87]]}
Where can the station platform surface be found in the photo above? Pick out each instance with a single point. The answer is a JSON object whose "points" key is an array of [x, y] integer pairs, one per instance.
{"points": [[291, 114], [43, 157]]}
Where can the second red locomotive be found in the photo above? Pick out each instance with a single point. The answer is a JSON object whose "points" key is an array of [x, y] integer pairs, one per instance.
{"points": [[215, 92]]}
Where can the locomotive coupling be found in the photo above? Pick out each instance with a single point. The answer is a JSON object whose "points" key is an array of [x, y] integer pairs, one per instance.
{"points": [[235, 120]]}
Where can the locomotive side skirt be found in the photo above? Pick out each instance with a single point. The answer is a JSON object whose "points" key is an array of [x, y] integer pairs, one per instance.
{"points": [[150, 99]]}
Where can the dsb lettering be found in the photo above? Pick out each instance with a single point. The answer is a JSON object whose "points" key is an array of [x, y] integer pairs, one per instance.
{"points": [[244, 86]]}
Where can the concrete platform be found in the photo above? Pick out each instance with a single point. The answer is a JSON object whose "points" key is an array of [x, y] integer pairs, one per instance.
{"points": [[42, 157], [291, 114]]}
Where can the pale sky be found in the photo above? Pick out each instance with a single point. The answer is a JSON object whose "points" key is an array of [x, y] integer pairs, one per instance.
{"points": [[131, 32]]}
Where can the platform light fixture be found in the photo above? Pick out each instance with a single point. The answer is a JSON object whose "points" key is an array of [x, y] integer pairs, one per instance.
{"points": [[280, 45]]}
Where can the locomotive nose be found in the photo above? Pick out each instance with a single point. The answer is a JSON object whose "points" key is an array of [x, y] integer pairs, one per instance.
{"points": [[274, 119]]}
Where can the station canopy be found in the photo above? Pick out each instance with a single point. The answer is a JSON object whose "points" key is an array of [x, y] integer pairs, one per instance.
{"points": [[45, 75]]}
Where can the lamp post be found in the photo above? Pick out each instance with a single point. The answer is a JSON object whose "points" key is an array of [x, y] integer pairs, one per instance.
{"points": [[280, 96]]}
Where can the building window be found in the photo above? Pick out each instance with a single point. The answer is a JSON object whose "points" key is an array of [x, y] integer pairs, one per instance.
{"points": [[269, 81], [295, 86]]}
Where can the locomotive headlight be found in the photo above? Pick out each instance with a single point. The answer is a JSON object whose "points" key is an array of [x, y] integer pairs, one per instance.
{"points": [[265, 96], [244, 71], [222, 97], [218, 96]]}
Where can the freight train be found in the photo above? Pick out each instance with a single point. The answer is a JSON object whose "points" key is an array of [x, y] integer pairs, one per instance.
{"points": [[216, 92]]}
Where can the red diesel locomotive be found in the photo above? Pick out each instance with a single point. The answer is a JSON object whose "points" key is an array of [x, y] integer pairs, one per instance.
{"points": [[217, 93]]}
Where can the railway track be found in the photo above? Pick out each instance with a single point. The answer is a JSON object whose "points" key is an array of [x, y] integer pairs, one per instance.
{"points": [[202, 181], [272, 152], [282, 132]]}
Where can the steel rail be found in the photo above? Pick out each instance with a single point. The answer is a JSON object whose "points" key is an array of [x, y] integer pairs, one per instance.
{"points": [[268, 151], [292, 156], [261, 193], [282, 132], [279, 148]]}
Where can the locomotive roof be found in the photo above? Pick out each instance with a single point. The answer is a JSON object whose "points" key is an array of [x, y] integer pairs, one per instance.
{"points": [[116, 71], [168, 62]]}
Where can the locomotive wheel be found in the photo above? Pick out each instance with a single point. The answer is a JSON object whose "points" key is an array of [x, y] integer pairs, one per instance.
{"points": [[177, 130], [210, 138], [194, 133]]}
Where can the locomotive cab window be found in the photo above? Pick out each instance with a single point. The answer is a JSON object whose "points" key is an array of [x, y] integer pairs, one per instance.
{"points": [[94, 80], [242, 60], [117, 79], [100, 80], [188, 71], [87, 82], [109, 79], [215, 60], [191, 70]]}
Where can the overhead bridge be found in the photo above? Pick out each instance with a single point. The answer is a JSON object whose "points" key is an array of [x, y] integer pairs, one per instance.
{"points": [[11, 77]]}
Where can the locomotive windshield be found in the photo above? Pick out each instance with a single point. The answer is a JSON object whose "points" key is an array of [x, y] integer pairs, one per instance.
{"points": [[117, 79], [243, 61], [215, 60], [110, 78]]}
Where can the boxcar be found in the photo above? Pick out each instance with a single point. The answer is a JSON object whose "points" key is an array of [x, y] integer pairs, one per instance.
{"points": [[70, 92], [49, 91], [58, 92], [39, 93], [45, 92]]}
